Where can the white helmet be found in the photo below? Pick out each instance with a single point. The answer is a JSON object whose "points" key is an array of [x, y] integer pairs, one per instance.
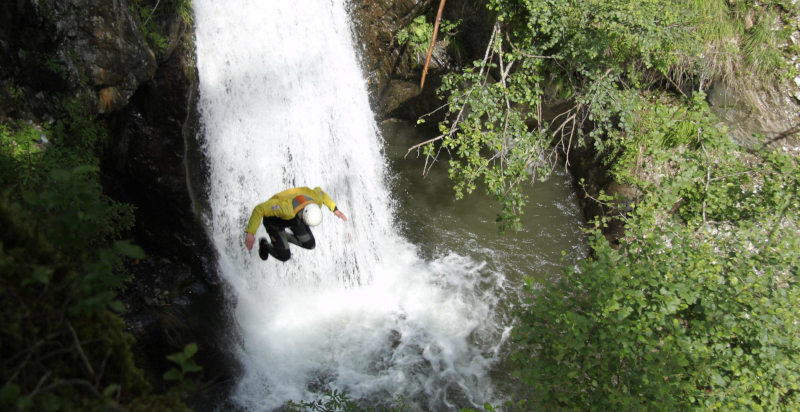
{"points": [[312, 214]]}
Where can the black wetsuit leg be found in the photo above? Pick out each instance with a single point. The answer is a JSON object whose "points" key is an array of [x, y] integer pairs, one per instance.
{"points": [[279, 248], [301, 236]]}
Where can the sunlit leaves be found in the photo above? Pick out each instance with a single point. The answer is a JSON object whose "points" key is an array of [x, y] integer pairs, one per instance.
{"points": [[489, 140], [603, 57], [583, 51], [696, 308]]}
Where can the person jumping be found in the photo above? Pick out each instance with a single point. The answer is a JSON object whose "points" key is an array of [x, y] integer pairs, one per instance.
{"points": [[297, 209]]}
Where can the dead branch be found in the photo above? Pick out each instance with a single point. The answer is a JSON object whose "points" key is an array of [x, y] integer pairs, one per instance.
{"points": [[676, 85], [418, 145], [79, 347], [433, 43], [708, 177]]}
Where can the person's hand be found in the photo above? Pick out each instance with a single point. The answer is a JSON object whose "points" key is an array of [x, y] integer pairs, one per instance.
{"points": [[340, 215], [249, 239]]}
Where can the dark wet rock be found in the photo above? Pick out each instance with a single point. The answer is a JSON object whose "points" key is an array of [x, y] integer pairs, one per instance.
{"points": [[377, 23], [397, 93], [98, 46], [394, 78], [150, 164], [167, 307], [154, 162]]}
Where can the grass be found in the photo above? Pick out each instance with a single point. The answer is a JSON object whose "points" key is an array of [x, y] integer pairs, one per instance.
{"points": [[742, 42]]}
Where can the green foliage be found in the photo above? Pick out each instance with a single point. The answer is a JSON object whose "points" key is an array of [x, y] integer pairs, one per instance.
{"points": [[743, 39], [696, 309], [604, 58], [762, 46], [486, 407], [185, 362], [70, 207], [21, 143], [184, 8], [61, 253], [417, 36], [149, 27], [649, 132], [185, 365], [53, 187], [63, 351], [12, 95], [480, 130], [590, 47], [55, 66], [148, 15], [23, 146], [596, 35], [62, 249], [77, 137]]}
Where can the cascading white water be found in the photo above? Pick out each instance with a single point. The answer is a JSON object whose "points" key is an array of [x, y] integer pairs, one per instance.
{"points": [[284, 104]]}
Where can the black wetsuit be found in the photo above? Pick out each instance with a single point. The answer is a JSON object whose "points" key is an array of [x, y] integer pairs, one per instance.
{"points": [[276, 228]]}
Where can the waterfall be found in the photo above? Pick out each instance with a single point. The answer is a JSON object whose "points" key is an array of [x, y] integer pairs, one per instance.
{"points": [[283, 104]]}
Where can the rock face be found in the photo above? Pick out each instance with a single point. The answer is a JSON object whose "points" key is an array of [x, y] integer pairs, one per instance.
{"points": [[154, 163], [150, 160], [376, 25], [96, 47], [757, 116], [102, 49], [394, 78]]}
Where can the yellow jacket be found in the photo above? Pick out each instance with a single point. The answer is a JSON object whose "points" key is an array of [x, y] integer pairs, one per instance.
{"points": [[286, 204]]}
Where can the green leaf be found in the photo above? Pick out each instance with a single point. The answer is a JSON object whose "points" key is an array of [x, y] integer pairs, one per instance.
{"points": [[173, 375], [191, 366], [129, 249], [716, 379], [190, 350], [178, 358], [111, 390], [624, 312]]}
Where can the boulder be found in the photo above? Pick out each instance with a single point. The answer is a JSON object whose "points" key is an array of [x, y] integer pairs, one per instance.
{"points": [[102, 51], [394, 77]]}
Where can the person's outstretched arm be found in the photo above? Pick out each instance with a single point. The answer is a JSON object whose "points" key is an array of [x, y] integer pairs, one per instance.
{"points": [[339, 214]]}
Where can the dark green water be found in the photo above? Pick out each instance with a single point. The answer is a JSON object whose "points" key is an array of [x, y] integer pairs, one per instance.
{"points": [[437, 223]]}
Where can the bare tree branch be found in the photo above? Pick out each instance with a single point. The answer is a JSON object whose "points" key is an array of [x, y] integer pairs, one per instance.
{"points": [[418, 145], [433, 43], [80, 352]]}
